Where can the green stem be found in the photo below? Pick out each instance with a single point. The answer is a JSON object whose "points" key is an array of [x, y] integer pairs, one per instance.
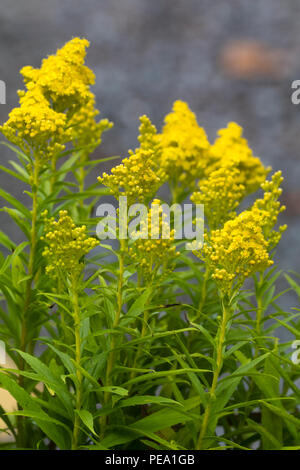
{"points": [[216, 374], [22, 438], [78, 397], [203, 292], [33, 241], [200, 306], [53, 173], [174, 192], [141, 345], [259, 312], [81, 178]]}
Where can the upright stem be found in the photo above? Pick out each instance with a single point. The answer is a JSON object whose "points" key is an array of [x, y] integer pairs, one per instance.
{"points": [[140, 346], [81, 178], [174, 192], [200, 305], [22, 438], [33, 241], [53, 173], [216, 374], [78, 398], [203, 292], [111, 354], [259, 306]]}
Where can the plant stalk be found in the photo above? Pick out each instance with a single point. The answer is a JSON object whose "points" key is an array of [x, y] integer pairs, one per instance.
{"points": [[111, 354], [78, 398], [21, 424], [216, 374]]}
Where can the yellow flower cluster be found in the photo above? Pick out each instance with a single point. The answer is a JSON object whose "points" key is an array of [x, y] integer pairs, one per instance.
{"points": [[242, 246], [269, 209], [34, 125], [236, 251], [221, 194], [229, 149], [58, 107], [138, 176], [155, 249], [66, 244], [184, 145], [86, 132], [63, 77]]}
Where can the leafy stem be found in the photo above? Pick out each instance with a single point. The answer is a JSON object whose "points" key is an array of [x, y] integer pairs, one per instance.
{"points": [[217, 370], [78, 399], [111, 354], [22, 438], [33, 241], [259, 313]]}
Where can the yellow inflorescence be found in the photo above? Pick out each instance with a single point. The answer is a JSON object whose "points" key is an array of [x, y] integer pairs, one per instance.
{"points": [[58, 107], [153, 252], [184, 146], [138, 176], [66, 244], [221, 194], [236, 251], [269, 209], [230, 148]]}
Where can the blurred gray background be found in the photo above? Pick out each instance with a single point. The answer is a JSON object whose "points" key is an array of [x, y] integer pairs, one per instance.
{"points": [[232, 60]]}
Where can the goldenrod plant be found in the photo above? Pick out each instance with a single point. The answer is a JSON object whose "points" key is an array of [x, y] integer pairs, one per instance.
{"points": [[139, 342]]}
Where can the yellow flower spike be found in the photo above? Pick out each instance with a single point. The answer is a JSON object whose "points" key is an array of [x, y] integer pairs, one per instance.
{"points": [[58, 106], [221, 194], [184, 146], [138, 176], [269, 208], [236, 251], [63, 76], [153, 255], [86, 131], [232, 149], [69, 244], [45, 129]]}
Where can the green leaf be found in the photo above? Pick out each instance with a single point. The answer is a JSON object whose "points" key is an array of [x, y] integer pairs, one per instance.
{"points": [[265, 434], [157, 421], [137, 307], [147, 400], [14, 174], [15, 203], [6, 241], [29, 405], [44, 374], [87, 419], [114, 389]]}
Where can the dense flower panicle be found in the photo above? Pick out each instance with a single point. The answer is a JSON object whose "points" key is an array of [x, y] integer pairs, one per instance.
{"points": [[184, 146], [236, 251], [86, 131], [269, 209], [230, 148], [155, 249], [66, 244], [58, 107], [221, 194], [138, 176], [63, 77]]}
